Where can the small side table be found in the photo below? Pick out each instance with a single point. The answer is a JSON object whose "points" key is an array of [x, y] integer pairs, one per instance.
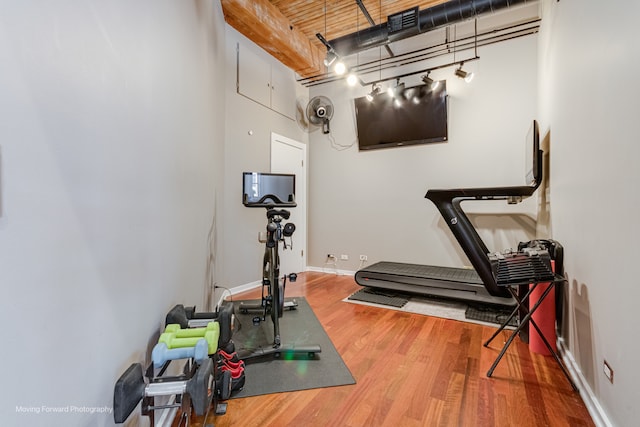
{"points": [[528, 267]]}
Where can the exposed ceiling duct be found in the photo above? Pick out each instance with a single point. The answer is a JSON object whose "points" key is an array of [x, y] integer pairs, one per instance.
{"points": [[412, 22]]}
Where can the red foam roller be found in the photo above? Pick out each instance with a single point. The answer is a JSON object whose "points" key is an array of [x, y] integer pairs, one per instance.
{"points": [[545, 318]]}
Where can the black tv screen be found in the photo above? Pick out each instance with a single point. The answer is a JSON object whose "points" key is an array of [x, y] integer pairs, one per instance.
{"points": [[415, 115]]}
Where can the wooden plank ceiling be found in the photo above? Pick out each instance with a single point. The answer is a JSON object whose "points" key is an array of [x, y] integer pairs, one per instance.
{"points": [[287, 28], [342, 17]]}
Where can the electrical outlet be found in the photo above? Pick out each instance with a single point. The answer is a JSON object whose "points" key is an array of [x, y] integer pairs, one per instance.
{"points": [[363, 257], [344, 257], [608, 372]]}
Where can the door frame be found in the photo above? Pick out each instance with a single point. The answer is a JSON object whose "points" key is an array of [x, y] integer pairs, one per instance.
{"points": [[301, 228]]}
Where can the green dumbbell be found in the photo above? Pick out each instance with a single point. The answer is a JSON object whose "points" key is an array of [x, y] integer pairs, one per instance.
{"points": [[191, 332], [173, 341]]}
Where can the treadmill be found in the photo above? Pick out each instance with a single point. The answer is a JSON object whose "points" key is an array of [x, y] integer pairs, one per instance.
{"points": [[473, 285]]}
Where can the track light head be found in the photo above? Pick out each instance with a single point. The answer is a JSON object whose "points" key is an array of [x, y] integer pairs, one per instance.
{"points": [[428, 81], [375, 89], [330, 58], [339, 68], [352, 79], [331, 53], [467, 76], [396, 91]]}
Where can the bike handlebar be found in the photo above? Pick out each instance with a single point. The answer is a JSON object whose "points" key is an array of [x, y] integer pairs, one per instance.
{"points": [[270, 201], [278, 212]]}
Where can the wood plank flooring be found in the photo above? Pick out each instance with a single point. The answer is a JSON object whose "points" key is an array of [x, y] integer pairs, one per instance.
{"points": [[412, 370]]}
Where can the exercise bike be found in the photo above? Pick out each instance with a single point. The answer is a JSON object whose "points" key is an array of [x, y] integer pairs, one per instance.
{"points": [[272, 302]]}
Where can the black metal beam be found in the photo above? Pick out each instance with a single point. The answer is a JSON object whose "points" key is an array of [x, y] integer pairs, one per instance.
{"points": [[437, 16], [366, 14]]}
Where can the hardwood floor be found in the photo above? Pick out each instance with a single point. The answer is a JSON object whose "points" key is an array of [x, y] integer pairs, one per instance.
{"points": [[413, 370]]}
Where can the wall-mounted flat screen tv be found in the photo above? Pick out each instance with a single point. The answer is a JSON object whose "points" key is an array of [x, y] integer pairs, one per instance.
{"points": [[415, 115], [533, 155]]}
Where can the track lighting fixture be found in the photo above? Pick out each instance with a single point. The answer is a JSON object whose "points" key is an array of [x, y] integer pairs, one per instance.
{"points": [[375, 89], [467, 76], [428, 81], [396, 91], [330, 58], [332, 55], [400, 90], [339, 68]]}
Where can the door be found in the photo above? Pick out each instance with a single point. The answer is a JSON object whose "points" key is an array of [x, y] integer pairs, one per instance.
{"points": [[290, 156]]}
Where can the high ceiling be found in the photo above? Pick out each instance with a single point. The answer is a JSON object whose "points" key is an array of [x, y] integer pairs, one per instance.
{"points": [[287, 28], [342, 17]]}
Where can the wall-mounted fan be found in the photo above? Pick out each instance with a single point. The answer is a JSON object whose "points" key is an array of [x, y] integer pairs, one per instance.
{"points": [[320, 112]]}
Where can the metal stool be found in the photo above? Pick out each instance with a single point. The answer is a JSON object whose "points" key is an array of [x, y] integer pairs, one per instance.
{"points": [[527, 267]]}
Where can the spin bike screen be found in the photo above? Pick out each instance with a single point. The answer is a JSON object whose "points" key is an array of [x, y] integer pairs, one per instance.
{"points": [[257, 185]]}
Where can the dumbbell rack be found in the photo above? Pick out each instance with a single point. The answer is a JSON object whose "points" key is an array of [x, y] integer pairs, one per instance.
{"points": [[200, 387], [167, 385]]}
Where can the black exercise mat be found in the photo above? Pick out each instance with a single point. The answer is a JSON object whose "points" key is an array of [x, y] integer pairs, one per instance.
{"points": [[379, 297], [274, 375]]}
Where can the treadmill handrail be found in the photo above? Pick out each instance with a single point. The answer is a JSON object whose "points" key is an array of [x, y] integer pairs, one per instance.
{"points": [[448, 203], [487, 193]]}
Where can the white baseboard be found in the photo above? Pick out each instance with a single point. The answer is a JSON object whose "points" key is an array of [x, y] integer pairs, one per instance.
{"points": [[245, 287], [331, 270], [252, 285], [596, 411], [238, 289]]}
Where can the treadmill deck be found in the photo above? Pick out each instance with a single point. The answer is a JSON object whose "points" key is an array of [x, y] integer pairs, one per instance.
{"points": [[452, 274], [447, 282]]}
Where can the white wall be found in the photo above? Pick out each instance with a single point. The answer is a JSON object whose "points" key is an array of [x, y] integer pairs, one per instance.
{"points": [[372, 202], [589, 104], [111, 136], [247, 149]]}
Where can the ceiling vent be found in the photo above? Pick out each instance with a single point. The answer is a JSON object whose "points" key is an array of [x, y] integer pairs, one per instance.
{"points": [[404, 22]]}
